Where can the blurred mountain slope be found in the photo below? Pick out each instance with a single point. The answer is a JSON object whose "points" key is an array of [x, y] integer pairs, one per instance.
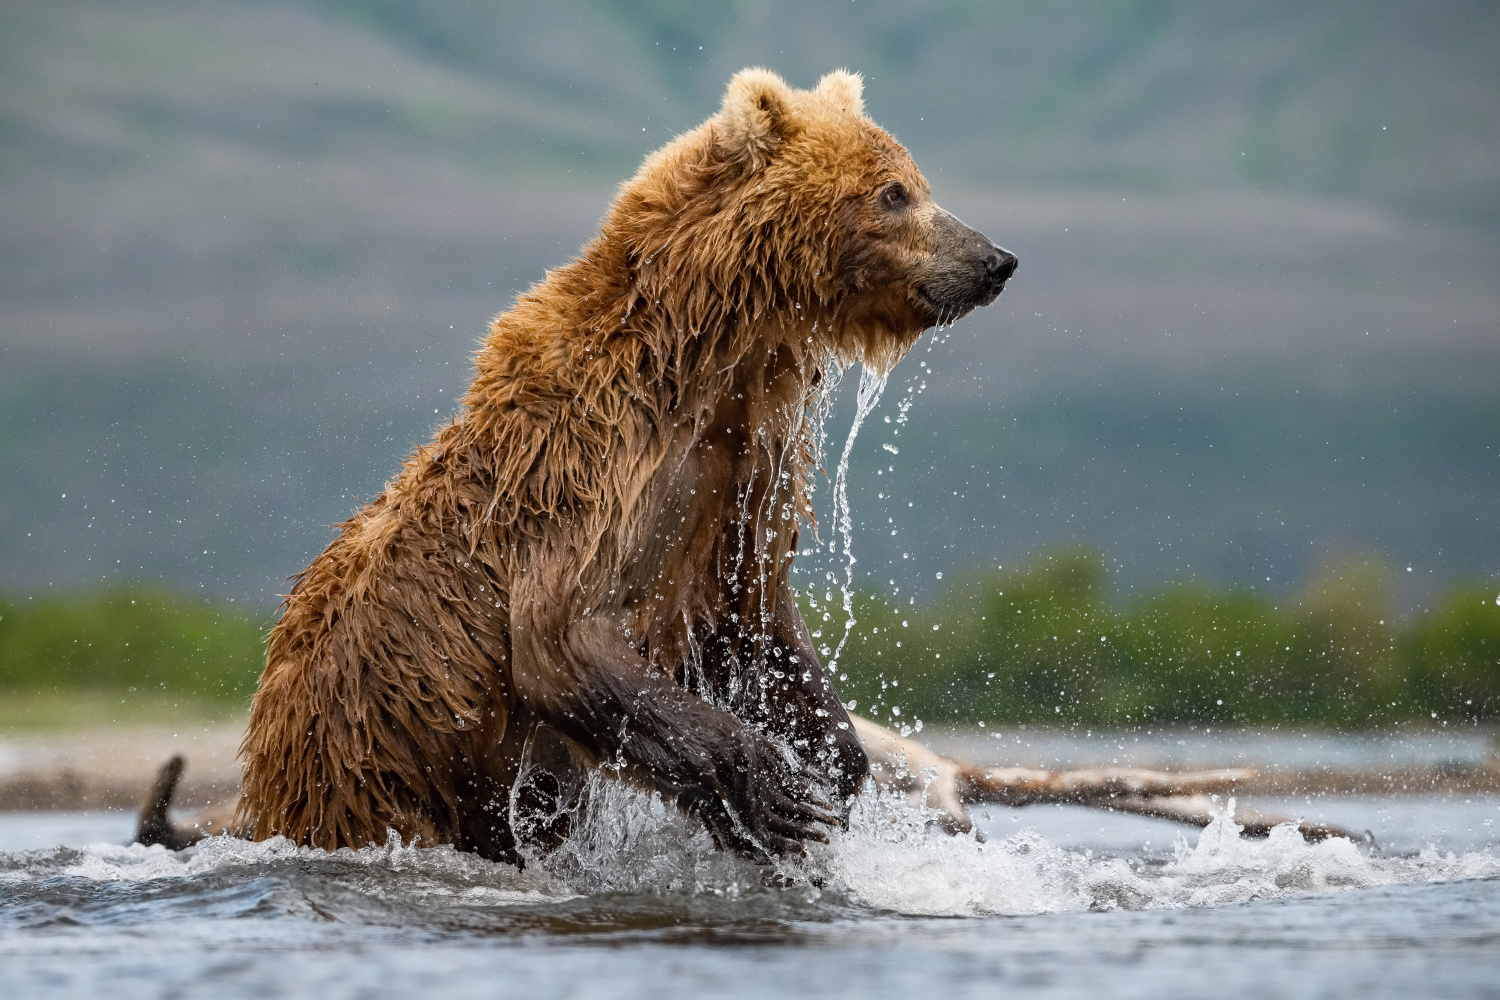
{"points": [[1386, 100], [166, 149], [246, 247]]}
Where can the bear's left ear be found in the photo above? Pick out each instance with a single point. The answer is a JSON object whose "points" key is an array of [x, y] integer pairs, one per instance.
{"points": [[844, 90], [755, 115]]}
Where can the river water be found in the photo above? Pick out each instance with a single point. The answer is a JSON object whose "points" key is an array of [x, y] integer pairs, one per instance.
{"points": [[1194, 747], [1057, 902]]}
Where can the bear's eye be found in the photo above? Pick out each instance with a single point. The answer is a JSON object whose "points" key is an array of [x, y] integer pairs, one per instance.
{"points": [[893, 196]]}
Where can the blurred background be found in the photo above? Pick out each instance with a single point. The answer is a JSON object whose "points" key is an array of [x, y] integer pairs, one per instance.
{"points": [[1247, 377]]}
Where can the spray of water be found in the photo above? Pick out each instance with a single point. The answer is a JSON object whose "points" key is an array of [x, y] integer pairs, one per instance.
{"points": [[871, 385], [892, 858]]}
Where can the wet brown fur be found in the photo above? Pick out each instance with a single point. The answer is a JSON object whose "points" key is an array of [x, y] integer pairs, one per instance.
{"points": [[599, 540]]}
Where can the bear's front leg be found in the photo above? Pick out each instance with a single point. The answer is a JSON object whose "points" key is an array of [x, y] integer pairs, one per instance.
{"points": [[582, 676], [802, 706]]}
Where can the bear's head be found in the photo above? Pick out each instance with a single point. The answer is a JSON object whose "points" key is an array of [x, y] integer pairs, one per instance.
{"points": [[791, 209]]}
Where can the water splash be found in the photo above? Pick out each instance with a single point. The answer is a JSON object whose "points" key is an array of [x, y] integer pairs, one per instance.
{"points": [[627, 840], [628, 844], [894, 859], [871, 385]]}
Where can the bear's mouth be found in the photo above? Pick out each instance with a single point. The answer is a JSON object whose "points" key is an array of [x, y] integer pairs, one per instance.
{"points": [[924, 297], [944, 311]]}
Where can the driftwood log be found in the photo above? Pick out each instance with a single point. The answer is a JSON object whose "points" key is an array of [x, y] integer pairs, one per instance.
{"points": [[949, 787]]}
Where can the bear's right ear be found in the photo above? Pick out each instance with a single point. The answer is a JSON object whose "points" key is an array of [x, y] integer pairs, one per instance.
{"points": [[755, 117]]}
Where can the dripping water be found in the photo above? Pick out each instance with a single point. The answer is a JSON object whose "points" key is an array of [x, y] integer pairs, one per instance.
{"points": [[871, 385]]}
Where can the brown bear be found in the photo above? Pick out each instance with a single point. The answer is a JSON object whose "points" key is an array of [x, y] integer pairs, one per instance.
{"points": [[594, 553]]}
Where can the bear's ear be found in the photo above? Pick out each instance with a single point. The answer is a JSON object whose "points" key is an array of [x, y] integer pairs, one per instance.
{"points": [[844, 90], [755, 115]]}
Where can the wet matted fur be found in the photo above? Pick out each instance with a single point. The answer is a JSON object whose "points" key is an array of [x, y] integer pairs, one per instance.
{"points": [[599, 541]]}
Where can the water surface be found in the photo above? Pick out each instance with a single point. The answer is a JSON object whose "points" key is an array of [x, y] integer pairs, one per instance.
{"points": [[1181, 747], [1059, 901]]}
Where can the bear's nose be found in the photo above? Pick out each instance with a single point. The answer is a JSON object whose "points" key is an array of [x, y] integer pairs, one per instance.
{"points": [[1000, 265]]}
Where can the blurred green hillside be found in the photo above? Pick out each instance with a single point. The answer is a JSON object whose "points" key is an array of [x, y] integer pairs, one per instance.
{"points": [[248, 246], [129, 637], [1045, 643]]}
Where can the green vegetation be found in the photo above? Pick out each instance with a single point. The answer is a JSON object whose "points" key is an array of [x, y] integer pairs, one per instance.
{"points": [[147, 644], [1041, 643], [83, 709], [1045, 643]]}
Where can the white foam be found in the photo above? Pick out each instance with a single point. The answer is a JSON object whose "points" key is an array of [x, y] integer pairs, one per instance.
{"points": [[893, 861], [893, 857], [428, 873]]}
